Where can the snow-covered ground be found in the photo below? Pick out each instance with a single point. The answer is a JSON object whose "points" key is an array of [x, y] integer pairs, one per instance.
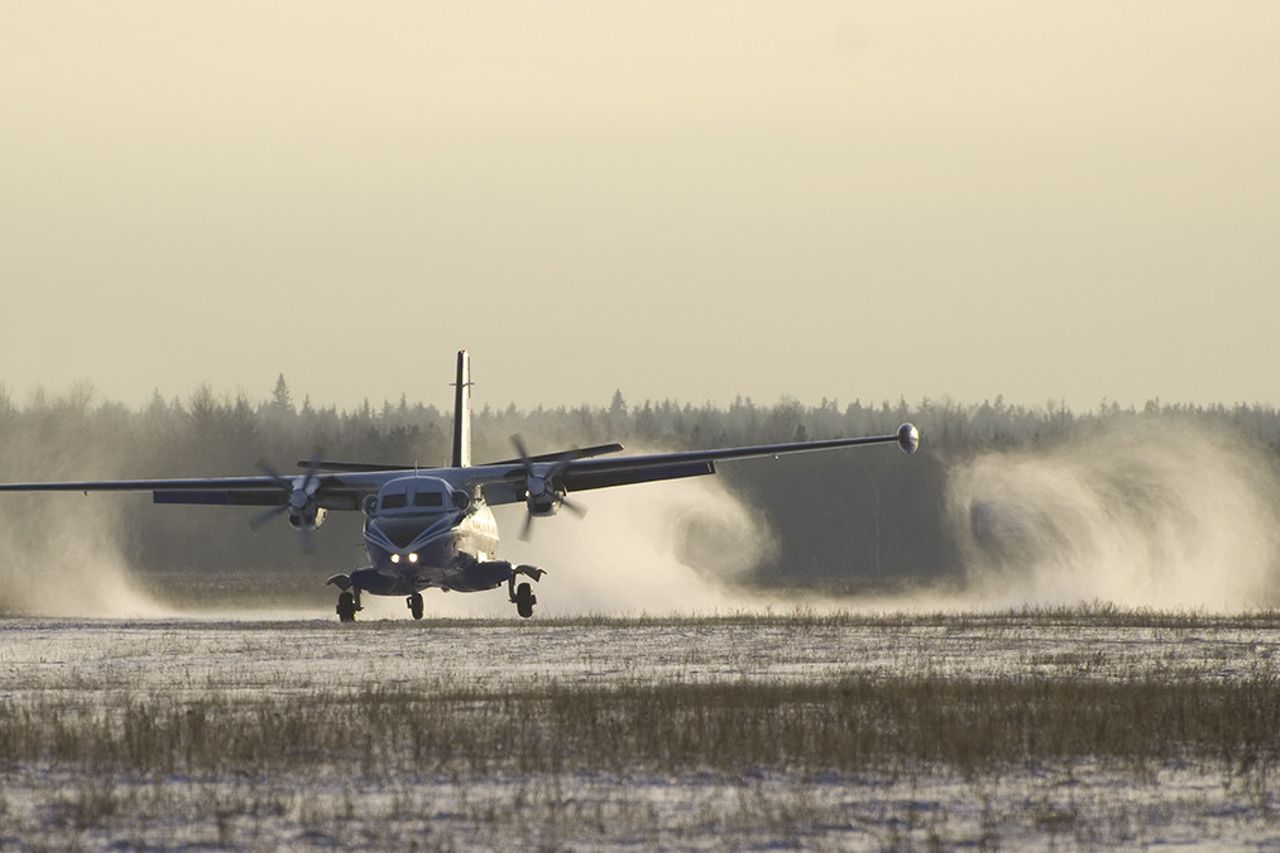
{"points": [[48, 663], [199, 654], [1085, 807]]}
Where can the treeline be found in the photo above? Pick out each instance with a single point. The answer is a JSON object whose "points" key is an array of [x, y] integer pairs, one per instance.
{"points": [[845, 517]]}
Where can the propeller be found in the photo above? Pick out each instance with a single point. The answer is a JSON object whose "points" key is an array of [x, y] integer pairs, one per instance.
{"points": [[542, 488], [302, 493]]}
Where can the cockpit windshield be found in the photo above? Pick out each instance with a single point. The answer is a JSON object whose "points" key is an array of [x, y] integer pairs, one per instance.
{"points": [[419, 497]]}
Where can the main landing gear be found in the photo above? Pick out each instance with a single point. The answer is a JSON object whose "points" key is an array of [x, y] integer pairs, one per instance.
{"points": [[348, 599], [415, 604], [348, 606], [522, 596]]}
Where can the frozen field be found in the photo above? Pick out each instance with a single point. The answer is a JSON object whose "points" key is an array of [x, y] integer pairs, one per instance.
{"points": [[832, 731]]}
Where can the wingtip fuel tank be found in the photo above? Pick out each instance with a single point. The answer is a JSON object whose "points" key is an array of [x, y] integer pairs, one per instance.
{"points": [[908, 438]]}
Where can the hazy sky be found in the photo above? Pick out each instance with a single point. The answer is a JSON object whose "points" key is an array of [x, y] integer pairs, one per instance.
{"points": [[697, 200]]}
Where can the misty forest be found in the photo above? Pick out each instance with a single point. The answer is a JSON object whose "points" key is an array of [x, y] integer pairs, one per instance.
{"points": [[847, 521]]}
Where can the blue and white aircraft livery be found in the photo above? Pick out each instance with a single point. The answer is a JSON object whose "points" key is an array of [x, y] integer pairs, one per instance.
{"points": [[433, 527]]}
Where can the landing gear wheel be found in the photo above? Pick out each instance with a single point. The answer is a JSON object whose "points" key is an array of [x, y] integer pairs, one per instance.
{"points": [[525, 599], [415, 604], [347, 607]]}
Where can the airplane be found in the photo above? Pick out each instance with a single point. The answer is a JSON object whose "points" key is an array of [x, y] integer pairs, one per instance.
{"points": [[433, 527]]}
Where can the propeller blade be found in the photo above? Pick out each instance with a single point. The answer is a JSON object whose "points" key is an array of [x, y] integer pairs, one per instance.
{"points": [[526, 529], [284, 482], [561, 466], [263, 517], [308, 541], [576, 508], [523, 452], [313, 470]]}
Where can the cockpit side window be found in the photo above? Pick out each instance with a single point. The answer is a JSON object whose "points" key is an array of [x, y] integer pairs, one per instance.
{"points": [[428, 499], [394, 501]]}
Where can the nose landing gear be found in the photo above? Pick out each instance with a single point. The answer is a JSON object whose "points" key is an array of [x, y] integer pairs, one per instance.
{"points": [[415, 605]]}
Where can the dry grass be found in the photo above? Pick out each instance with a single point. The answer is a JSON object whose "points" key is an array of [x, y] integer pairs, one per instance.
{"points": [[901, 725]]}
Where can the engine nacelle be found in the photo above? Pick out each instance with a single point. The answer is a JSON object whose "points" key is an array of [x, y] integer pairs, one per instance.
{"points": [[541, 497], [543, 505], [308, 518]]}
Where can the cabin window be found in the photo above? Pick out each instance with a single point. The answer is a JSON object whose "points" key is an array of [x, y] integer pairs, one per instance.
{"points": [[394, 501], [428, 499]]}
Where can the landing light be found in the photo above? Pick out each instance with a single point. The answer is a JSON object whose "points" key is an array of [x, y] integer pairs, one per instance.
{"points": [[395, 558], [413, 558]]}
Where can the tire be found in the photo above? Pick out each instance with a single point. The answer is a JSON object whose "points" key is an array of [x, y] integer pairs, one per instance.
{"points": [[415, 605], [346, 608], [525, 600]]}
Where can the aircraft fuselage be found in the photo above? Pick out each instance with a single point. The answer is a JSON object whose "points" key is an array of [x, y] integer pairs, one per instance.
{"points": [[421, 532]]}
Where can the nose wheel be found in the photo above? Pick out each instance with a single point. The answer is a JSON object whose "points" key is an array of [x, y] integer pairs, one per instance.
{"points": [[415, 605]]}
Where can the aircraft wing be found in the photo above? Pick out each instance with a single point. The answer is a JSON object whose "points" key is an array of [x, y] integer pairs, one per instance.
{"points": [[572, 471], [331, 491], [505, 484], [236, 483]]}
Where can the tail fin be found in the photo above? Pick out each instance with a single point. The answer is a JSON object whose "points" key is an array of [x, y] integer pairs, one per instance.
{"points": [[462, 413]]}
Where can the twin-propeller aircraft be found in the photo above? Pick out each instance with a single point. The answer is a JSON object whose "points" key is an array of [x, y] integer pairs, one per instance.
{"points": [[432, 527]]}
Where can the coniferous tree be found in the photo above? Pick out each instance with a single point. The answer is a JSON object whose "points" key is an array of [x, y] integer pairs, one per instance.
{"points": [[281, 399]]}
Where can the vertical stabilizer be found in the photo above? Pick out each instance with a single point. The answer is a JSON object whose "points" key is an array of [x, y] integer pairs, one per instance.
{"points": [[462, 413]]}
